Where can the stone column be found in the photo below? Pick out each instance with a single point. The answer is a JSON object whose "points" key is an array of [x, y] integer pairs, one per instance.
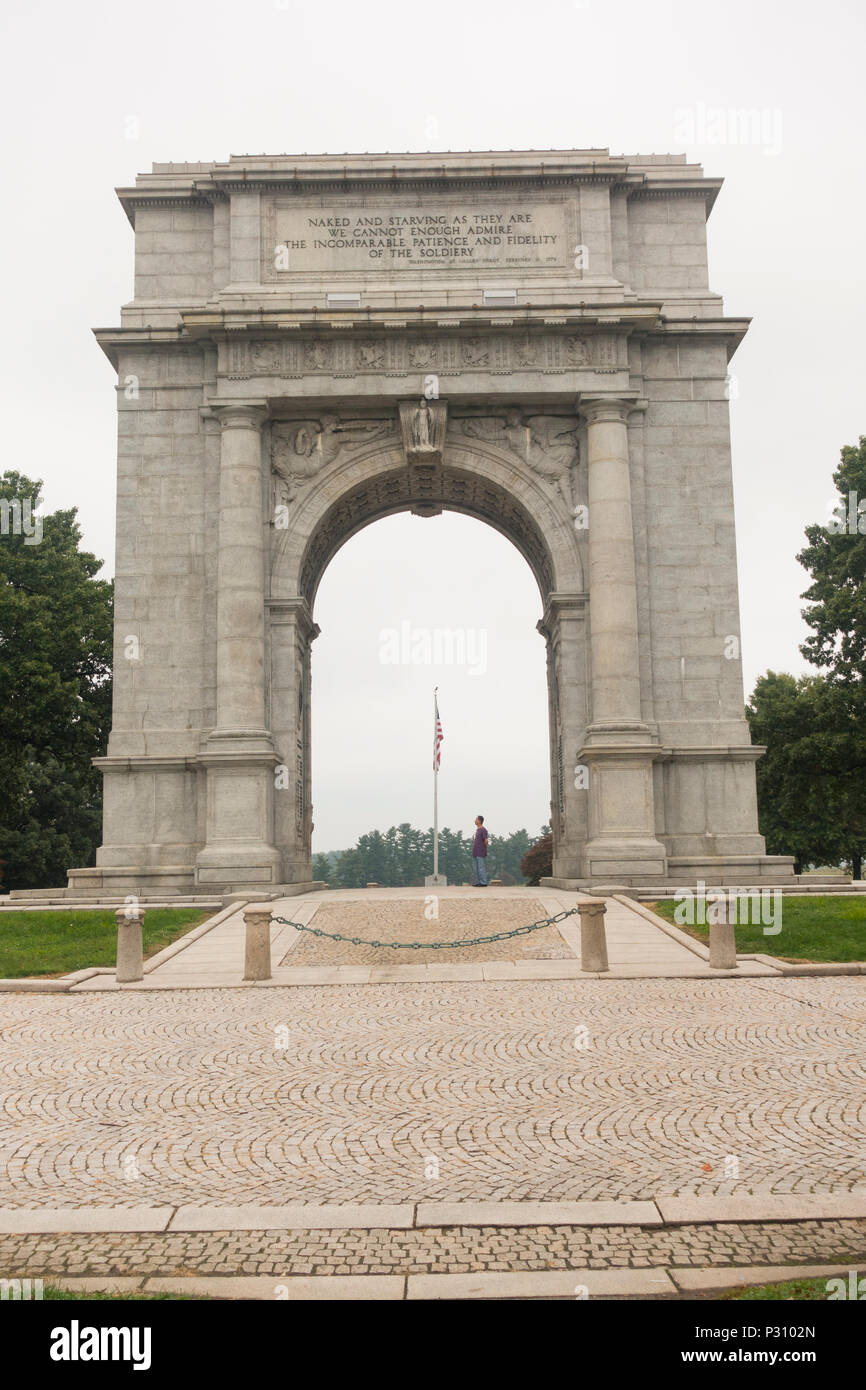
{"points": [[239, 755], [292, 633], [240, 573], [619, 746], [612, 584], [563, 627]]}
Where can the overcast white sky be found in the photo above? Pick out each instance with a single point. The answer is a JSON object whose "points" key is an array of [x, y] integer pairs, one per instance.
{"points": [[92, 93]]}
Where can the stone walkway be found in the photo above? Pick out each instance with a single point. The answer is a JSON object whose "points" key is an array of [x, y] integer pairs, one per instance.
{"points": [[639, 945], [450, 1250]]}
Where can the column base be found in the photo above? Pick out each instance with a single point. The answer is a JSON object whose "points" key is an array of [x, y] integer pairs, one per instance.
{"points": [[238, 852], [227, 867], [622, 847], [623, 860]]}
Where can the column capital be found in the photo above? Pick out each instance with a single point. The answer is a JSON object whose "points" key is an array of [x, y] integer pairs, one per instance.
{"points": [[296, 611], [607, 409], [234, 415], [559, 605]]}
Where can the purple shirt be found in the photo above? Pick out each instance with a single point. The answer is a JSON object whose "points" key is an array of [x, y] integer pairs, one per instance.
{"points": [[479, 849]]}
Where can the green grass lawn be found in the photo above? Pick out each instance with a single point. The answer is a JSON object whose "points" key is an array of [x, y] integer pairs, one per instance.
{"points": [[55, 943], [51, 1294], [822, 927], [791, 1289]]}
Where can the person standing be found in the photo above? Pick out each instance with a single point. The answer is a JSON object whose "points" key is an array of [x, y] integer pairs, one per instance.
{"points": [[479, 853]]}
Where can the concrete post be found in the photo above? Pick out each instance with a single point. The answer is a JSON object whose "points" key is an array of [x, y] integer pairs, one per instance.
{"points": [[257, 943], [593, 945], [129, 967], [723, 946]]}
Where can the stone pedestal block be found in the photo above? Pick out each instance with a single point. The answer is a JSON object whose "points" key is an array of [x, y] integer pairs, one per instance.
{"points": [[723, 946], [129, 968], [257, 943], [593, 944]]}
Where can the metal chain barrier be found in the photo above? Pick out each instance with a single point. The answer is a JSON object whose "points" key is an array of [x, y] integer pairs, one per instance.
{"points": [[430, 945]]}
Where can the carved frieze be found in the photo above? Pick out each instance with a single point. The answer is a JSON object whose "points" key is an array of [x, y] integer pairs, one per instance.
{"points": [[404, 354]]}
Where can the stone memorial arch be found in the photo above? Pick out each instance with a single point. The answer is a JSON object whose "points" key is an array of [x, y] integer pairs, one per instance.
{"points": [[318, 342]]}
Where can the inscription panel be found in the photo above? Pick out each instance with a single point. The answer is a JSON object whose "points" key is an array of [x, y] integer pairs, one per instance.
{"points": [[340, 238]]}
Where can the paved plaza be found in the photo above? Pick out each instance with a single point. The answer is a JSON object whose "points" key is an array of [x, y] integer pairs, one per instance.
{"points": [[543, 1090], [193, 1126]]}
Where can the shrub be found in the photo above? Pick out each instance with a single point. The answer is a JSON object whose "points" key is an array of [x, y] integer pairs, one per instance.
{"points": [[537, 862]]}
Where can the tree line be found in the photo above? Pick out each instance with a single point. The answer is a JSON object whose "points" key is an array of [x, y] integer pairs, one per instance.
{"points": [[403, 856]]}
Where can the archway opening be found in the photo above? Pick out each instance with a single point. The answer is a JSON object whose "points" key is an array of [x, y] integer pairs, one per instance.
{"points": [[406, 604]]}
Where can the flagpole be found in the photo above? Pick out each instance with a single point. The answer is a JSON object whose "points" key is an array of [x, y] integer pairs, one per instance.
{"points": [[435, 789]]}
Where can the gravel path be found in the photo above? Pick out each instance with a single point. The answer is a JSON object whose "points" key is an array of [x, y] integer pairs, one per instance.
{"points": [[457, 919]]}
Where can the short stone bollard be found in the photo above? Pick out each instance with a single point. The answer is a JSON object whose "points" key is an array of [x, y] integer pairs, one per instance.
{"points": [[593, 944], [723, 946], [129, 967], [257, 942]]}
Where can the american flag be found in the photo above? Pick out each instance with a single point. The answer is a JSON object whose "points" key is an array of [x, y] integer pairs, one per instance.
{"points": [[437, 735]]}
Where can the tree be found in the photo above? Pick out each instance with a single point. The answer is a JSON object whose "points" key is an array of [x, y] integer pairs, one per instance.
{"points": [[537, 862], [812, 778], [506, 852], [836, 559], [55, 690], [322, 868]]}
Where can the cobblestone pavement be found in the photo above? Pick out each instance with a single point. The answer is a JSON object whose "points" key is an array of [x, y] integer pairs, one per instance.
{"points": [[449, 1250], [433, 1092], [405, 921]]}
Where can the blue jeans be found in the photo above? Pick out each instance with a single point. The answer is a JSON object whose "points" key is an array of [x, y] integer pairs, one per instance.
{"points": [[479, 864]]}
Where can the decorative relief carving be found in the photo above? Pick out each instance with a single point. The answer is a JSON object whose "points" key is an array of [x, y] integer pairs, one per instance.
{"points": [[370, 356], [476, 352], [423, 426], [423, 354], [577, 351], [318, 355], [265, 357], [528, 351], [548, 444], [301, 449], [400, 355]]}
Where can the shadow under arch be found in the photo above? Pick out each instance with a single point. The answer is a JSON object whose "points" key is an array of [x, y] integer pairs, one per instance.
{"points": [[479, 481]]}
